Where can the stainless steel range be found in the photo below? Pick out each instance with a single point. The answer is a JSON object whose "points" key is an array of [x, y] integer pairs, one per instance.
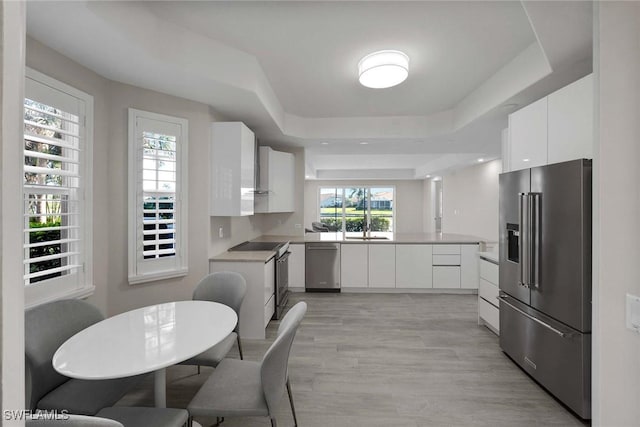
{"points": [[282, 269]]}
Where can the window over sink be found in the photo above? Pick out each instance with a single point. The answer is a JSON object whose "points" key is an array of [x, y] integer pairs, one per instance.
{"points": [[350, 209]]}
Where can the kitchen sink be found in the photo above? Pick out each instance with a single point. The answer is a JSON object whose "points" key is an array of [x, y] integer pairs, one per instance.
{"points": [[366, 238]]}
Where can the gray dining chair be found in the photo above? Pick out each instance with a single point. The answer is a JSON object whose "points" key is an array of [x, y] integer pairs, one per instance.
{"points": [[228, 288], [116, 416], [131, 416], [71, 421], [48, 326], [244, 388]]}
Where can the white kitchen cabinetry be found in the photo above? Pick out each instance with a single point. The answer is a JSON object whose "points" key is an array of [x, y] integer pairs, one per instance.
{"points": [[570, 122], [296, 265], [232, 169], [528, 136], [354, 261], [259, 301], [413, 266], [382, 266], [277, 181], [469, 266], [446, 266], [488, 307], [554, 129]]}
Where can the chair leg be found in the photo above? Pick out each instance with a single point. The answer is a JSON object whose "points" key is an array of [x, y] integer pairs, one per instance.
{"points": [[198, 369], [273, 422], [293, 409], [239, 347]]}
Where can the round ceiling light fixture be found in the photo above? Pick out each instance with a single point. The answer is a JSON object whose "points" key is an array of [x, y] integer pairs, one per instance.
{"points": [[382, 69]]}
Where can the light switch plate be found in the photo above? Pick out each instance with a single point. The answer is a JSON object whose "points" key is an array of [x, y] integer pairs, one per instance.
{"points": [[633, 313]]}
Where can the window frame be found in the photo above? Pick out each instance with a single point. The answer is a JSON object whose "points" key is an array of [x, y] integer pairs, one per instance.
{"points": [[149, 270], [368, 187], [79, 286]]}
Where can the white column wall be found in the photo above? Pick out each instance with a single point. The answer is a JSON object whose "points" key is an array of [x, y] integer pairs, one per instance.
{"points": [[616, 350], [13, 27]]}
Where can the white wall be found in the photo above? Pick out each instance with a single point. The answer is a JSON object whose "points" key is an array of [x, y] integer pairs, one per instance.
{"points": [[428, 203], [470, 201], [12, 42], [408, 203], [616, 350]]}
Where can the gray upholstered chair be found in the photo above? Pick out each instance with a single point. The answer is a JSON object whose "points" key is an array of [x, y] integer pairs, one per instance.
{"points": [[72, 421], [243, 388], [228, 288], [117, 416], [46, 327], [146, 417]]}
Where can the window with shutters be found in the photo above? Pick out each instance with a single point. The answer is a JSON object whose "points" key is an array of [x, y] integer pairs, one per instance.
{"points": [[56, 190], [157, 196]]}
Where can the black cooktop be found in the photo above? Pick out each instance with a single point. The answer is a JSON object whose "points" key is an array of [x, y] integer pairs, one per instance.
{"points": [[257, 246]]}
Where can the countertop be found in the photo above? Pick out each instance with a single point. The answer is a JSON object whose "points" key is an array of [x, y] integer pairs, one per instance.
{"points": [[245, 256], [395, 238], [489, 256]]}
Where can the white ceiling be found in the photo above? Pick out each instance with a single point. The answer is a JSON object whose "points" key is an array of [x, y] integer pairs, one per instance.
{"points": [[289, 69]]}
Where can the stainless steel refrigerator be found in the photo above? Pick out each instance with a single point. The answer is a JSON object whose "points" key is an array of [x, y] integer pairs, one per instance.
{"points": [[545, 277]]}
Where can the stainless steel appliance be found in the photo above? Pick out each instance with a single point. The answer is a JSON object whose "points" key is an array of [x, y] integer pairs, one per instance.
{"points": [[282, 269], [322, 267], [545, 277]]}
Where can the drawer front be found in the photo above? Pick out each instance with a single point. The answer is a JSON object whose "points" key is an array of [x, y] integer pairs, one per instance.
{"points": [[446, 260], [489, 271], [489, 314], [269, 309], [446, 249], [489, 292], [446, 277], [561, 364]]}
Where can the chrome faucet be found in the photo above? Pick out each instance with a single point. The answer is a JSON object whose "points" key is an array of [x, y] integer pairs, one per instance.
{"points": [[365, 226]]}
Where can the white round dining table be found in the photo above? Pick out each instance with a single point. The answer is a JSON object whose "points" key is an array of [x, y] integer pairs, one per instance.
{"points": [[144, 340]]}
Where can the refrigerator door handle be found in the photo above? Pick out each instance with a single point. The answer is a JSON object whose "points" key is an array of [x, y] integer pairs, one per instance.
{"points": [[504, 299], [534, 239], [523, 244]]}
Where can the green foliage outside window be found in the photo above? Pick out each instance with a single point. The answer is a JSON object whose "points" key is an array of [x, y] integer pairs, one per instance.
{"points": [[357, 224], [41, 236]]}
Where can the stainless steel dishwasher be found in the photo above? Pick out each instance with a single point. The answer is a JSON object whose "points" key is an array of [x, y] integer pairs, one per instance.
{"points": [[322, 267]]}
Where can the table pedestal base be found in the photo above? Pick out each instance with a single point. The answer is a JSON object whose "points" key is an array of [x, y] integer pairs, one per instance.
{"points": [[160, 388]]}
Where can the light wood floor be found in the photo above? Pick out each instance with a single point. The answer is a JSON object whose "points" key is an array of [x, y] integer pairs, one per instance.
{"points": [[390, 360]]}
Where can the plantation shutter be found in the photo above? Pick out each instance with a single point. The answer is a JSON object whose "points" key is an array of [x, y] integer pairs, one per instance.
{"points": [[157, 198], [54, 145]]}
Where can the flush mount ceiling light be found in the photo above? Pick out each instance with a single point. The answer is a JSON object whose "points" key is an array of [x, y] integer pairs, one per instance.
{"points": [[383, 69]]}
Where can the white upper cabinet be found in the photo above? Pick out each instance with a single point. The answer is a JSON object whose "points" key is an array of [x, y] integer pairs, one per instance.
{"points": [[570, 124], [232, 169], [554, 129], [528, 136], [277, 180]]}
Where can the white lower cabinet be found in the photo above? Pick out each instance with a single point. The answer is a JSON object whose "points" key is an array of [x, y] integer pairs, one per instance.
{"points": [[488, 305], [413, 266], [258, 305], [296, 265], [446, 277], [469, 266], [354, 262], [382, 266]]}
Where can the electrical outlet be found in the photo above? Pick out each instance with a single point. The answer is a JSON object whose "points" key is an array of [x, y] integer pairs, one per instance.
{"points": [[633, 313], [220, 232]]}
